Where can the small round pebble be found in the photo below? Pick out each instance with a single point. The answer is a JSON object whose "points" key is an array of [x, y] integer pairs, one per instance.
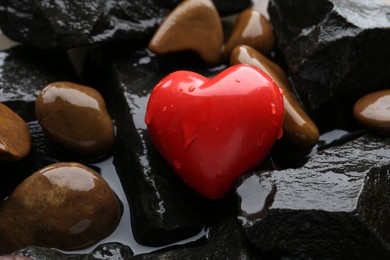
{"points": [[76, 117], [64, 205], [253, 29], [194, 25], [298, 127], [15, 139], [373, 111]]}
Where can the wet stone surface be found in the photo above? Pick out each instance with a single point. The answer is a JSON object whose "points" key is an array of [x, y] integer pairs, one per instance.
{"points": [[103, 251], [335, 200], [65, 24], [15, 140], [335, 55], [225, 241], [76, 117], [315, 213], [160, 202], [253, 29], [373, 111], [64, 205], [197, 24], [24, 72], [223, 7]]}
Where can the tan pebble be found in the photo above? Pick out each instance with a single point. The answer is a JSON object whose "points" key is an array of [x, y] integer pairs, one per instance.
{"points": [[253, 29], [76, 117], [15, 139], [298, 128], [194, 25], [65, 205], [373, 111]]}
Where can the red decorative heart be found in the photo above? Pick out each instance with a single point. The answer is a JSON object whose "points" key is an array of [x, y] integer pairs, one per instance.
{"points": [[211, 131]]}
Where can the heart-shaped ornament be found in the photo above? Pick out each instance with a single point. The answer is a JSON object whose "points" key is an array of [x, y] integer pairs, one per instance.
{"points": [[211, 131]]}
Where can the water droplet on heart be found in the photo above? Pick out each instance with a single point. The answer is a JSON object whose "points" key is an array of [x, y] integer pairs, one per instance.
{"points": [[177, 164], [191, 88], [238, 80], [273, 109], [281, 91], [164, 109], [172, 105], [217, 129], [280, 134], [181, 89]]}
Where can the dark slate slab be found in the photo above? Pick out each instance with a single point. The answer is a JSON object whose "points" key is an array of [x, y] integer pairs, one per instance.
{"points": [[66, 23], [24, 72], [333, 207], [104, 251], [164, 209], [225, 241], [336, 51], [224, 7]]}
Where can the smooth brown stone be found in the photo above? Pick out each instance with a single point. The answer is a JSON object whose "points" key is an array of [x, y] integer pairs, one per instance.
{"points": [[15, 139], [64, 205], [253, 29], [194, 25], [373, 111], [76, 117], [298, 128]]}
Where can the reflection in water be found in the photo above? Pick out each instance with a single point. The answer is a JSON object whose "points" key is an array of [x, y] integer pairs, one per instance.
{"points": [[138, 106], [123, 233]]}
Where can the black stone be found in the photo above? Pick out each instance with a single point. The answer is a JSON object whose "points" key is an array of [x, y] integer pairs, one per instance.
{"points": [[104, 251], [66, 23], [24, 71], [225, 241], [333, 207], [231, 7], [336, 51], [163, 208], [224, 7]]}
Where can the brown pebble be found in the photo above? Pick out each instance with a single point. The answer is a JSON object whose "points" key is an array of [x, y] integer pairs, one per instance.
{"points": [[64, 205], [253, 29], [373, 111], [15, 139], [194, 25], [76, 117], [298, 128], [14, 257]]}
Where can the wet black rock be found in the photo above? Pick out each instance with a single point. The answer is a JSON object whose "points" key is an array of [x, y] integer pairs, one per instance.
{"points": [[24, 71], [336, 51], [104, 251], [66, 23], [164, 209], [224, 7], [333, 207], [225, 241]]}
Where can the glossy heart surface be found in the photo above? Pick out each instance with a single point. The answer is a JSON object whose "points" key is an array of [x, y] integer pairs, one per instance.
{"points": [[211, 131]]}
